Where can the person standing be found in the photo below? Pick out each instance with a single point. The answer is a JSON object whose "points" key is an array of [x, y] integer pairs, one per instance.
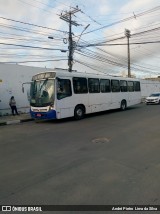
{"points": [[12, 104]]}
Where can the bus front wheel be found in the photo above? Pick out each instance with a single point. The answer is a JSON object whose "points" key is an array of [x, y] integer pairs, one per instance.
{"points": [[123, 105], [79, 112]]}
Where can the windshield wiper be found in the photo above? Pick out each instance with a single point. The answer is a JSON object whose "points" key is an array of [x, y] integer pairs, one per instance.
{"points": [[43, 84]]}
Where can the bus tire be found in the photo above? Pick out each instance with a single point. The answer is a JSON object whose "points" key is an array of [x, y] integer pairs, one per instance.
{"points": [[79, 112], [123, 105]]}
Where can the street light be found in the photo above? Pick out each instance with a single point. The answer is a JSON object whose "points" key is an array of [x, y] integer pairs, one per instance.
{"points": [[72, 46], [63, 51], [50, 37], [82, 33]]}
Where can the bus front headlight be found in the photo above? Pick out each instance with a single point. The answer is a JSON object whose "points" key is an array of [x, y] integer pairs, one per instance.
{"points": [[51, 107]]}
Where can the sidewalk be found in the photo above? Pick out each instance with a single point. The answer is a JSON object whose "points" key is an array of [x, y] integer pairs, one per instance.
{"points": [[10, 119]]}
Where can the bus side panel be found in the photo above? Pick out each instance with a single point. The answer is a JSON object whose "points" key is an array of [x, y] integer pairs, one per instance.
{"points": [[106, 101], [117, 98], [134, 98], [65, 108], [82, 99], [99, 101]]}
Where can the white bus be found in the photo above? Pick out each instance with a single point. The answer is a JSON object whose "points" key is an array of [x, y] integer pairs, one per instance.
{"points": [[60, 94]]}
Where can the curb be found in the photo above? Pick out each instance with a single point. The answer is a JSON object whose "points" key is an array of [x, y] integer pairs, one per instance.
{"points": [[3, 123], [15, 122], [12, 122], [26, 120]]}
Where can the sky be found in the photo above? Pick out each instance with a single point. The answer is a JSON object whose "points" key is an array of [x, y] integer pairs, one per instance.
{"points": [[100, 44]]}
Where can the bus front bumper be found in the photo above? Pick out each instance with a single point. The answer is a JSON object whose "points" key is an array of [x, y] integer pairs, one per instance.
{"points": [[43, 115]]}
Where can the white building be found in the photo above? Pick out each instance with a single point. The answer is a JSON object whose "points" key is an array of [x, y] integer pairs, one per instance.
{"points": [[12, 77], [149, 86]]}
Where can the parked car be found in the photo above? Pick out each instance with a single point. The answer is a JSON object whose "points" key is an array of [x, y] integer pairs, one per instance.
{"points": [[154, 98]]}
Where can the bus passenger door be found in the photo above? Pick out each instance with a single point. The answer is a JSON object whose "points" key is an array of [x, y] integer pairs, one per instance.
{"points": [[64, 98]]}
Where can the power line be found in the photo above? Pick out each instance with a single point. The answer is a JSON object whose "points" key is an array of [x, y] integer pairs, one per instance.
{"points": [[49, 60], [133, 35], [133, 43], [126, 19], [28, 46], [48, 28], [35, 6]]}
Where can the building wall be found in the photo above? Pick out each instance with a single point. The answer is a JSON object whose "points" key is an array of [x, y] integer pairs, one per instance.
{"points": [[149, 86], [11, 79]]}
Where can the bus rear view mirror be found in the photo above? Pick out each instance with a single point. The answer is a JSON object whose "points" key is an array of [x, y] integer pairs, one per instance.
{"points": [[23, 85]]}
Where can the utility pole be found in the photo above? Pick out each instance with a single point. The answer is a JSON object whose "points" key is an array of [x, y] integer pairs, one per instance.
{"points": [[128, 35], [68, 18]]}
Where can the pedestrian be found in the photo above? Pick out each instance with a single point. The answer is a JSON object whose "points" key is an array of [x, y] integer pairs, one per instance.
{"points": [[12, 104]]}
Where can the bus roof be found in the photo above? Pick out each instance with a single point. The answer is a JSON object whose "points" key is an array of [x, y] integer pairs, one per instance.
{"points": [[57, 72]]}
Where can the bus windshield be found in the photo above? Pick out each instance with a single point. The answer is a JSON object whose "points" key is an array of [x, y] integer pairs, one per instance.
{"points": [[42, 92]]}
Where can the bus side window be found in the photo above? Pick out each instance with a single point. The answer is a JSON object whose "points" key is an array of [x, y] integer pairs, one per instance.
{"points": [[93, 85], [80, 85], [137, 86], [123, 85], [115, 85], [63, 88], [105, 85], [130, 86]]}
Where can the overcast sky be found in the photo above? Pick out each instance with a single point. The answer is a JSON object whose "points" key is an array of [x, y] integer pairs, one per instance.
{"points": [[106, 21]]}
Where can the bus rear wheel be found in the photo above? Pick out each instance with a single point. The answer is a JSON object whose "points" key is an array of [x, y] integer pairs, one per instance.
{"points": [[123, 105], [79, 112]]}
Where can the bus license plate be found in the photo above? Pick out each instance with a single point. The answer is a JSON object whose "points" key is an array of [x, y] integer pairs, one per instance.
{"points": [[39, 115]]}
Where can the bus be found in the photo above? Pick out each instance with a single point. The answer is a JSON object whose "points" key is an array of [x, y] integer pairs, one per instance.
{"points": [[60, 94]]}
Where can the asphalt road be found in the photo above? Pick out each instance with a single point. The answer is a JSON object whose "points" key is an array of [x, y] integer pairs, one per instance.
{"points": [[107, 158]]}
